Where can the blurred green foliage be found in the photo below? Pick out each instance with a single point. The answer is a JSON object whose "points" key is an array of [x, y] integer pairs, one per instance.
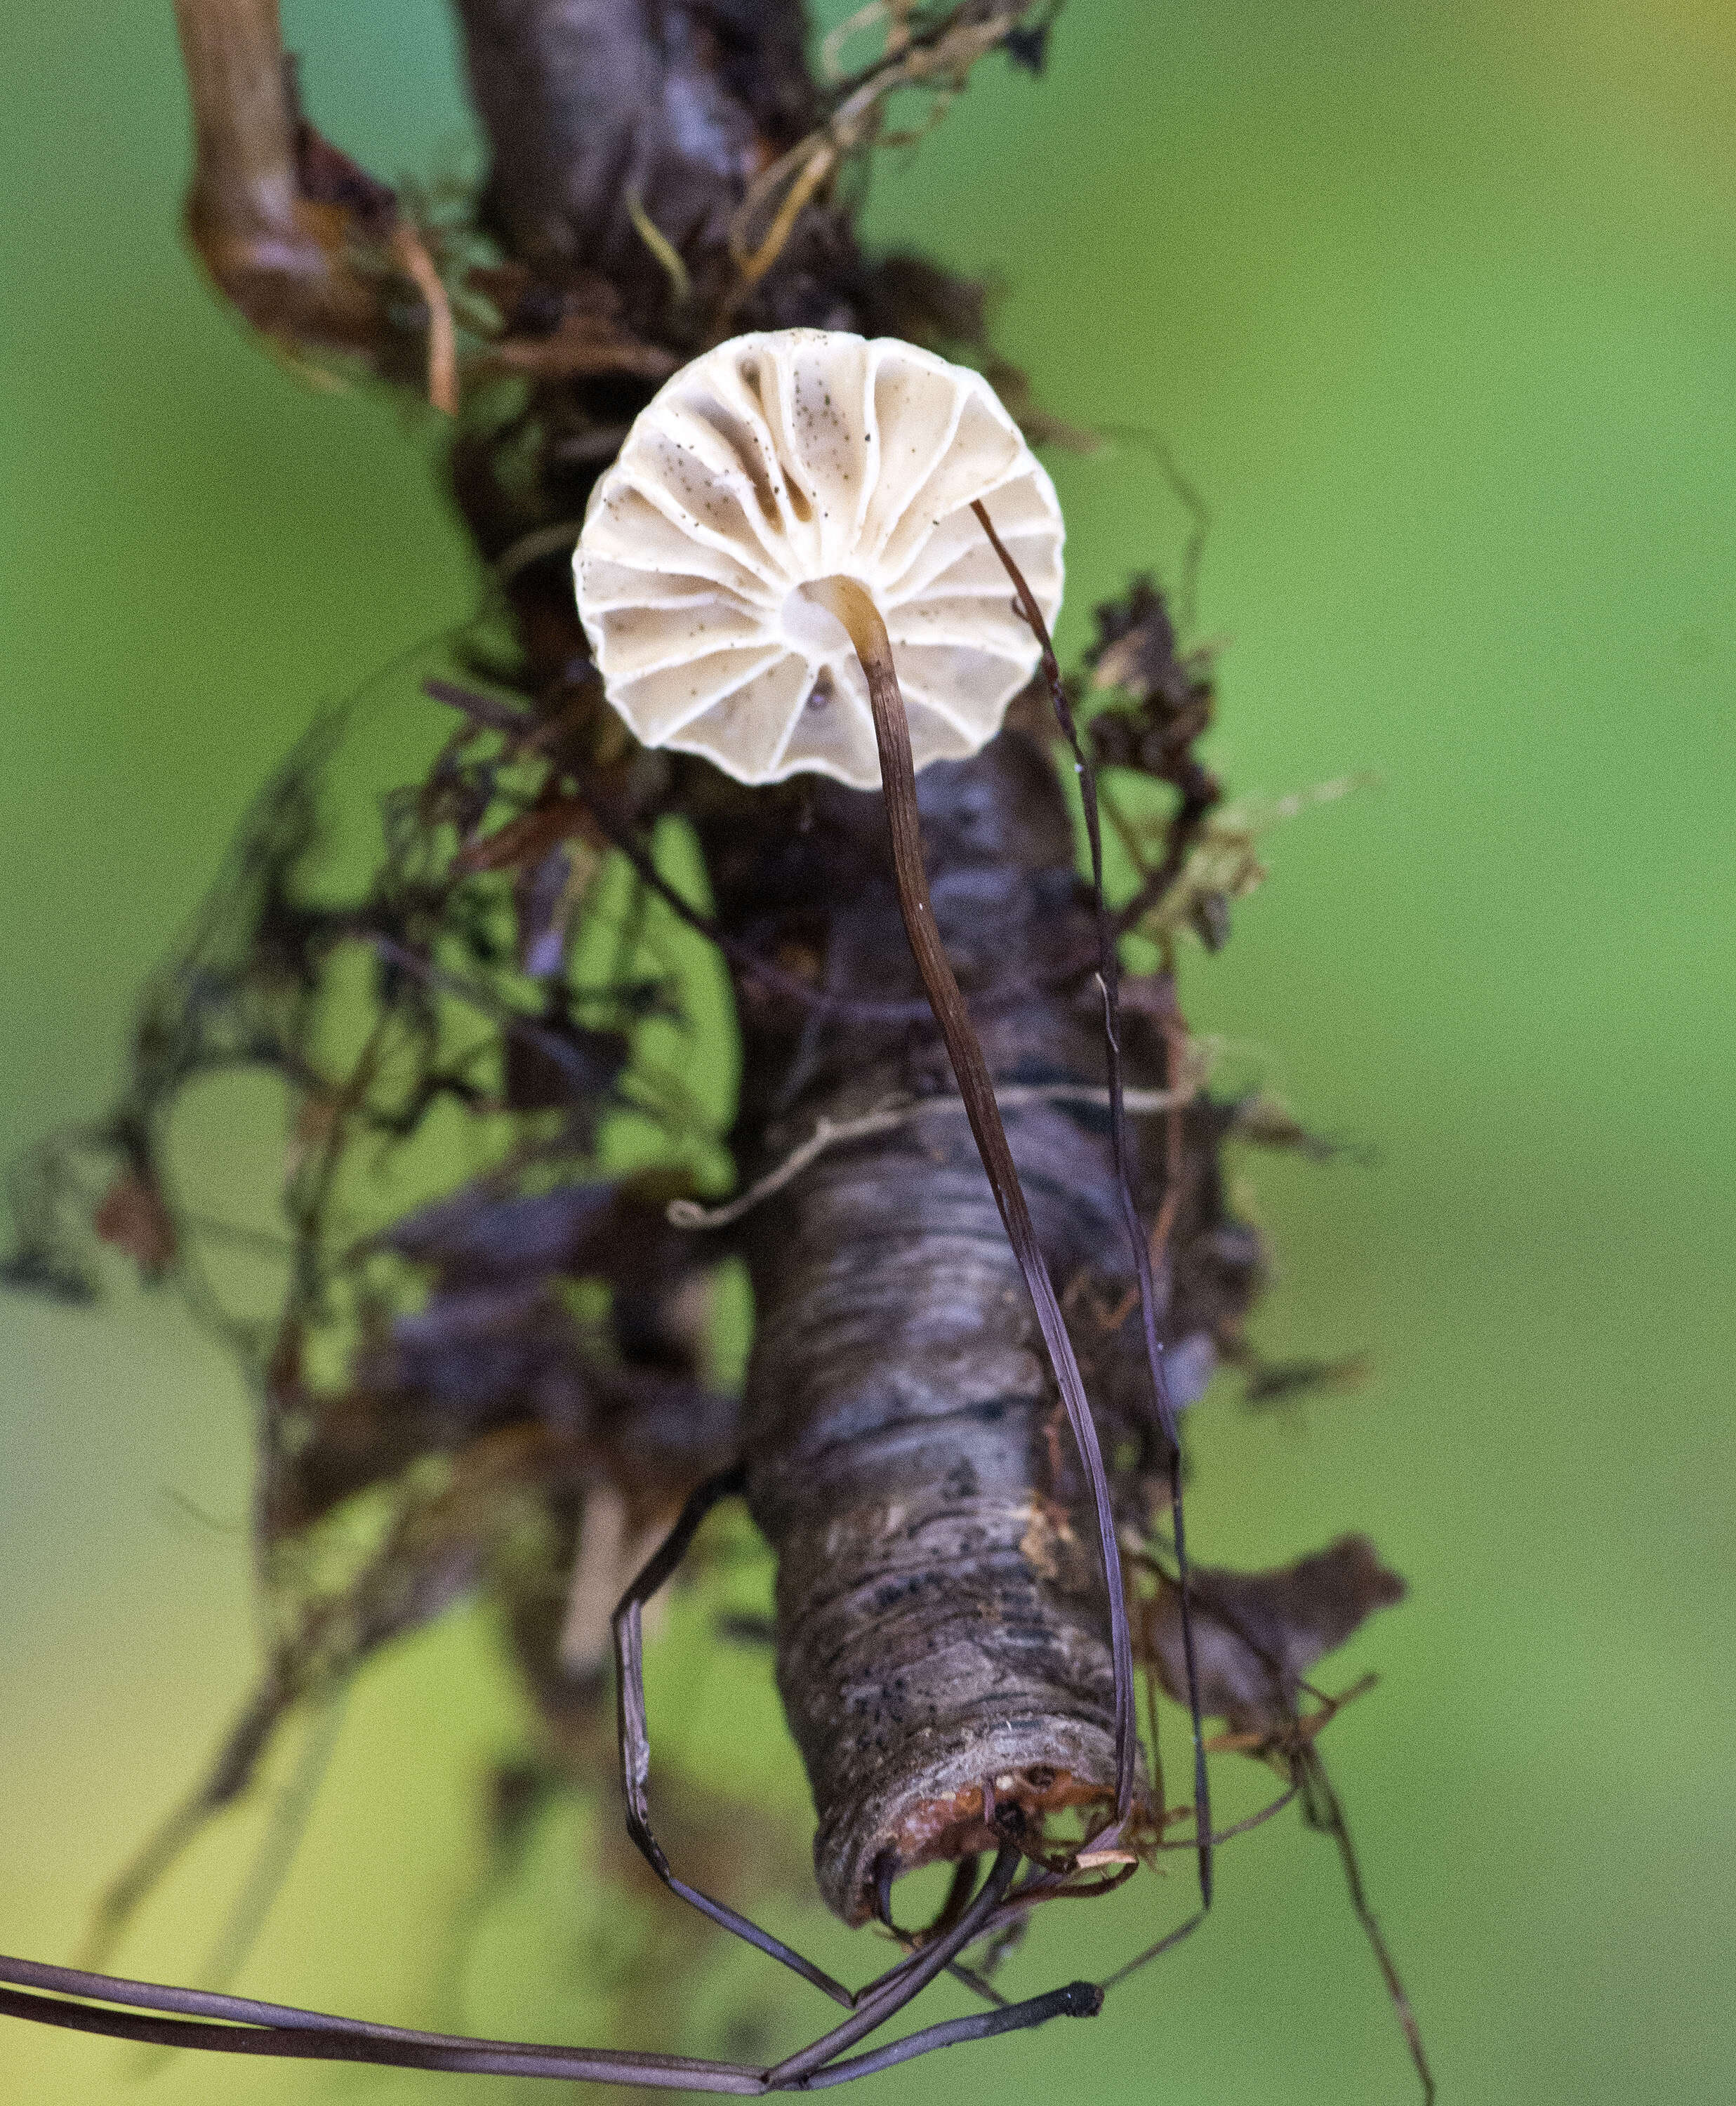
{"points": [[1436, 307]]}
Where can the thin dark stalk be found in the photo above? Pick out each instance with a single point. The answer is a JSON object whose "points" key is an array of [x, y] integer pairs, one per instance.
{"points": [[959, 1894], [289, 1825], [1109, 972], [250, 2028], [283, 2030], [868, 632], [1323, 1810], [873, 2010], [634, 1736], [1151, 1952], [976, 1983], [1078, 2000], [1200, 794], [1248, 1822]]}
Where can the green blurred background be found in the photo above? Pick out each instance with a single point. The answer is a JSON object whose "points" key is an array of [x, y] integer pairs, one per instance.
{"points": [[1437, 307]]}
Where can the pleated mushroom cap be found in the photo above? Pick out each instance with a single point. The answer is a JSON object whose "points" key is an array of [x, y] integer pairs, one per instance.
{"points": [[789, 456]]}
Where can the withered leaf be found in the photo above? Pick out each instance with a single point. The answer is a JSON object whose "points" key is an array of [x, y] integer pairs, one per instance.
{"points": [[133, 1218], [1136, 648], [1258, 1634]]}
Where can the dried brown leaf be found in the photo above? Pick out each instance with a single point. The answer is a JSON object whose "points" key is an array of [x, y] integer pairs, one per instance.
{"points": [[133, 1218], [1258, 1634]]}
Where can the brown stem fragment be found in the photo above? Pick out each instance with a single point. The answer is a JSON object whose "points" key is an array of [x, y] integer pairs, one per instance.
{"points": [[274, 255], [248, 2026], [283, 222]]}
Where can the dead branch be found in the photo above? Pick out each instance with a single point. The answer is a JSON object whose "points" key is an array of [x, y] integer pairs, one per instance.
{"points": [[302, 241]]}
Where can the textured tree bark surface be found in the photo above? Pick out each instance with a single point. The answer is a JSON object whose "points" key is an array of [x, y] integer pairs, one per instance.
{"points": [[941, 1622], [592, 106]]}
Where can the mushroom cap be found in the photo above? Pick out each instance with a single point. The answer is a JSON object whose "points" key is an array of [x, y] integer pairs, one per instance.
{"points": [[782, 457]]}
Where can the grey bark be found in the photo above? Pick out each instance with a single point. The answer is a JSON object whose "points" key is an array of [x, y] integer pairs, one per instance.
{"points": [[941, 1622], [590, 106]]}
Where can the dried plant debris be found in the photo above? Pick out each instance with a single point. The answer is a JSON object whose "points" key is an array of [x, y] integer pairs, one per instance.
{"points": [[930, 51], [501, 1388], [442, 985], [1138, 654], [1160, 706], [452, 1396], [315, 253], [456, 1395], [1262, 1633]]}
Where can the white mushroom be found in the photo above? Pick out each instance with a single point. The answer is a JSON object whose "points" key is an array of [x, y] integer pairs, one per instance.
{"points": [[805, 558], [770, 468]]}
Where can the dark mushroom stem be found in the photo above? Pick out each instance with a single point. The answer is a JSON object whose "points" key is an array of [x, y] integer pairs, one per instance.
{"points": [[855, 607]]}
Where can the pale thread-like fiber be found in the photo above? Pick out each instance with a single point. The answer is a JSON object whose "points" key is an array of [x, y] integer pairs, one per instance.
{"points": [[782, 459]]}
